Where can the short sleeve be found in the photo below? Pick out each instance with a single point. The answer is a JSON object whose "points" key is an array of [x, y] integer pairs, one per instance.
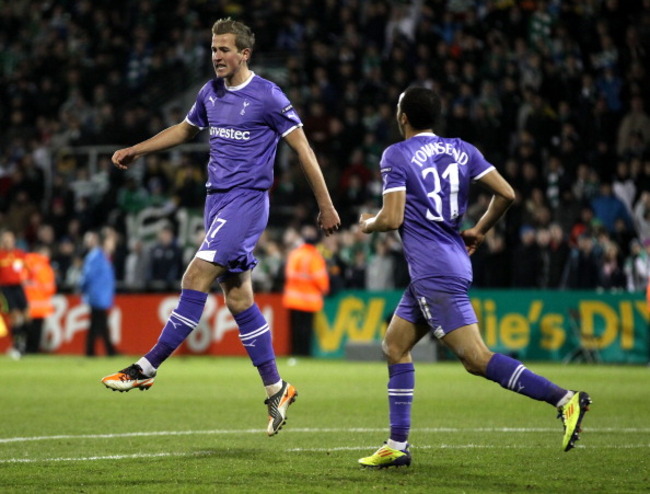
{"points": [[280, 112], [197, 116], [392, 170], [479, 166]]}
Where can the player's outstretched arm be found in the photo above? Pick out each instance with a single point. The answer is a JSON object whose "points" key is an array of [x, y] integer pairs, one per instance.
{"points": [[168, 138], [328, 217], [502, 198]]}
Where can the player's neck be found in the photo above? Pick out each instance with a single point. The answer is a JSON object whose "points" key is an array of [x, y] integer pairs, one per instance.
{"points": [[410, 131], [239, 77]]}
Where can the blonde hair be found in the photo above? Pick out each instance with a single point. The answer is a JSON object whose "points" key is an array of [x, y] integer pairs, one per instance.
{"points": [[244, 37]]}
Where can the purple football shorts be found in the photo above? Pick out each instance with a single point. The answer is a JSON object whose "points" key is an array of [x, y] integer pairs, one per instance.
{"points": [[234, 221], [442, 303]]}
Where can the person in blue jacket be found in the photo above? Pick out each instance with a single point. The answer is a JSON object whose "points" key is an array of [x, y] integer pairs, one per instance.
{"points": [[97, 286]]}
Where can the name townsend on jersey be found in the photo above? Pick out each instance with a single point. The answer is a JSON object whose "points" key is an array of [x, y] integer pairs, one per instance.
{"points": [[237, 135], [435, 148]]}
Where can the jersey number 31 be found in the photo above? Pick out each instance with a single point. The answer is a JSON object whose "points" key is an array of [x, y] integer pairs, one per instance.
{"points": [[450, 175]]}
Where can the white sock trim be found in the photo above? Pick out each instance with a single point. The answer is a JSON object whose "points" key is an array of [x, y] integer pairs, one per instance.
{"points": [[396, 445], [147, 369], [271, 389], [565, 399]]}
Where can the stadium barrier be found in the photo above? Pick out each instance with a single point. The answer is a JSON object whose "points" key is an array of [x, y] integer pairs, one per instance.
{"points": [[529, 324], [135, 322]]}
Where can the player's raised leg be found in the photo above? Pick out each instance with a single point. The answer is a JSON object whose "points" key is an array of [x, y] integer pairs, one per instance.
{"points": [[511, 374], [184, 318]]}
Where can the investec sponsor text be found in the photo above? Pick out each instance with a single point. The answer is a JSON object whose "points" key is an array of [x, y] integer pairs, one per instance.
{"points": [[234, 134]]}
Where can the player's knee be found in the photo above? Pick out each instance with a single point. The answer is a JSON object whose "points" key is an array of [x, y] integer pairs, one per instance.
{"points": [[190, 280], [393, 353], [237, 306], [476, 362]]}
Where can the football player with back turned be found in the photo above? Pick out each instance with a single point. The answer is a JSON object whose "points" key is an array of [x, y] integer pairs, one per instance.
{"points": [[426, 179]]}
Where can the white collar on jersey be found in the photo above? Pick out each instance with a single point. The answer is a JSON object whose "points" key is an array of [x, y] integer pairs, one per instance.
{"points": [[425, 134], [242, 85]]}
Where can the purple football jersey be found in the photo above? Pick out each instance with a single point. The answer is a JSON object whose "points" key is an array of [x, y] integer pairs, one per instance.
{"points": [[436, 173], [245, 124]]}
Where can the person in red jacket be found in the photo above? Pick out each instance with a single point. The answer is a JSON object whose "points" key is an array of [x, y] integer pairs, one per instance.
{"points": [[12, 266], [39, 286], [306, 282]]}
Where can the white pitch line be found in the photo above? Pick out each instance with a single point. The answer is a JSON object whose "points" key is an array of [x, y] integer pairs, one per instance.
{"points": [[628, 430], [465, 446], [297, 450], [98, 458]]}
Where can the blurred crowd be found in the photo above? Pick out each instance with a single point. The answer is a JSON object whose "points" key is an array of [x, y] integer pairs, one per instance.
{"points": [[554, 93]]}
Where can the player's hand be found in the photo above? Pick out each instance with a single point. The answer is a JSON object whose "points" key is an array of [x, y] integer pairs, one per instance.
{"points": [[473, 239], [362, 221], [328, 221], [122, 158]]}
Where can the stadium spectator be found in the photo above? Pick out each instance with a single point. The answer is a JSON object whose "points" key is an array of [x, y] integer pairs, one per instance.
{"points": [[608, 208], [581, 270], [610, 274], [526, 264], [97, 285], [39, 288], [12, 274], [81, 103], [437, 301], [247, 116], [306, 282], [558, 254], [380, 273], [136, 266], [642, 215], [635, 123], [165, 262]]}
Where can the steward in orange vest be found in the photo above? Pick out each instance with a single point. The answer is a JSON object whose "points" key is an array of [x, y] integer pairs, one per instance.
{"points": [[306, 282], [39, 287]]}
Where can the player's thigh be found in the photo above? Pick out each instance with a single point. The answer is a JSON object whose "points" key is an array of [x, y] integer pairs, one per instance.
{"points": [[200, 275], [468, 345]]}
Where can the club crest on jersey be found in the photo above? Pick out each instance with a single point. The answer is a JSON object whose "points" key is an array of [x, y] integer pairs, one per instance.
{"points": [[243, 110]]}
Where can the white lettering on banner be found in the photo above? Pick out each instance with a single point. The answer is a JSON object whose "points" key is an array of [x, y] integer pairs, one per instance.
{"points": [[52, 329], [224, 322], [202, 337], [65, 322], [115, 325], [76, 321], [69, 319], [166, 306]]}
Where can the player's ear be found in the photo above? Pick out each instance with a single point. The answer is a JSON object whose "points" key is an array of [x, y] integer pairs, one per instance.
{"points": [[246, 54]]}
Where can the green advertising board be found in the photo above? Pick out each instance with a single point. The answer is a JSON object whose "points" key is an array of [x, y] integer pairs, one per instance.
{"points": [[528, 324]]}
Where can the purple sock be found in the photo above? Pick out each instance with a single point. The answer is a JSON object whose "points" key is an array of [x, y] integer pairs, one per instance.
{"points": [[255, 335], [183, 319], [401, 382], [511, 374]]}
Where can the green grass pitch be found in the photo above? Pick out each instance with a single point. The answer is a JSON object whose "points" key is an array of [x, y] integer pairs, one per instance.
{"points": [[201, 428]]}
